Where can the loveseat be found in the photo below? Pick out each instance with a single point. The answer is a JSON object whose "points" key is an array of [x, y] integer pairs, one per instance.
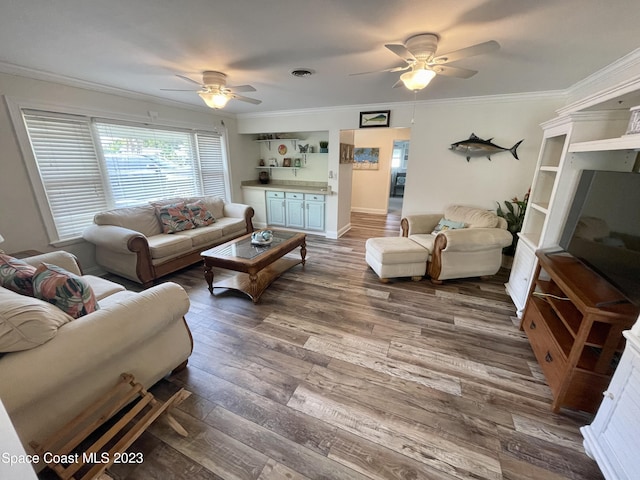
{"points": [[52, 365], [462, 242], [147, 242]]}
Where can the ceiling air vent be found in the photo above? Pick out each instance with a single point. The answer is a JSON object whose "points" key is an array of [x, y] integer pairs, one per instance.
{"points": [[302, 72]]}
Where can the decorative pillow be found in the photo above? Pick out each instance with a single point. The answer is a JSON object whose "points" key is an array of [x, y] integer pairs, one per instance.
{"points": [[16, 275], [26, 322], [67, 291], [174, 218], [444, 225], [200, 216]]}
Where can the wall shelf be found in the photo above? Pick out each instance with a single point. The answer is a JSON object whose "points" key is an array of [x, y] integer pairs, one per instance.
{"points": [[626, 142], [267, 167], [294, 141]]}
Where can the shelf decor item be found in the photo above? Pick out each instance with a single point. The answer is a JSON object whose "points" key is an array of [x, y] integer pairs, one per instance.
{"points": [[263, 177], [634, 121], [324, 146], [514, 215], [286, 162]]}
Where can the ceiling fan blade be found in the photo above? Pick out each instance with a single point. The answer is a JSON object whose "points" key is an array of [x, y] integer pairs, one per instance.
{"points": [[242, 88], [179, 90], [245, 99], [184, 77], [393, 69], [450, 71], [479, 49], [401, 51], [399, 83]]}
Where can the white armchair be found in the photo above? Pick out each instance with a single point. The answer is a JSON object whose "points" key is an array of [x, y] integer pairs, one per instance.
{"points": [[475, 250]]}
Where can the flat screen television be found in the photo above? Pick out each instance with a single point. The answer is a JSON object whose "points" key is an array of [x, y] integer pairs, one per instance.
{"points": [[603, 228]]}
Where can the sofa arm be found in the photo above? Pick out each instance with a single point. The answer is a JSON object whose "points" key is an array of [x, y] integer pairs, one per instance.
{"points": [[240, 210], [414, 224], [472, 239], [60, 258], [112, 237], [90, 341]]}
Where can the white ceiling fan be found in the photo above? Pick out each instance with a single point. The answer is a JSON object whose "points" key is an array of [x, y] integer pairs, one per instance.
{"points": [[419, 52], [214, 90]]}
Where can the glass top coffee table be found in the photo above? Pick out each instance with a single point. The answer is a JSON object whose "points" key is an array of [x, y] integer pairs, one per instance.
{"points": [[257, 265]]}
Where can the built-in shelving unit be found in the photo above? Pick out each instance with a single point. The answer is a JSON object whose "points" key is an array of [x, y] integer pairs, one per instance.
{"points": [[584, 140]]}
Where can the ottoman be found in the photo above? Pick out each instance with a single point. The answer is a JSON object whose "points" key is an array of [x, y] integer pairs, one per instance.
{"points": [[392, 257]]}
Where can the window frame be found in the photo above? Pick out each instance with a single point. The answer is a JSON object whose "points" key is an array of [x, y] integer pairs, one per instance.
{"points": [[16, 106]]}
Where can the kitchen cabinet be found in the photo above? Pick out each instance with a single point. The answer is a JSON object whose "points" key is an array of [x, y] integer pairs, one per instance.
{"points": [[303, 211], [276, 211]]}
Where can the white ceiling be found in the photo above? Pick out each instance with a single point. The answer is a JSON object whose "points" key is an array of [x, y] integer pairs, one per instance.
{"points": [[140, 45]]}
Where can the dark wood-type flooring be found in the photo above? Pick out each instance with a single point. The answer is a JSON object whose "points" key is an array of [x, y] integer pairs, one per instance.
{"points": [[334, 375]]}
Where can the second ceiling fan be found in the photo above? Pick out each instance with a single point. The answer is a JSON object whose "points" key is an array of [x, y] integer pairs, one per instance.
{"points": [[419, 53]]}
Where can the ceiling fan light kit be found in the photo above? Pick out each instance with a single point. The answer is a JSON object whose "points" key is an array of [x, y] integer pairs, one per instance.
{"points": [[215, 100], [417, 79]]}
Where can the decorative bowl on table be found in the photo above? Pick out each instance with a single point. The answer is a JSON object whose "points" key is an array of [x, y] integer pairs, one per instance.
{"points": [[263, 237]]}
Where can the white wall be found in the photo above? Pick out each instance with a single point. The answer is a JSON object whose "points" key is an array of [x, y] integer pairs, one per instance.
{"points": [[437, 177]]}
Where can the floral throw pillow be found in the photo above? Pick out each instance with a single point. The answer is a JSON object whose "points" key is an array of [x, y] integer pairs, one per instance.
{"points": [[200, 216], [67, 291], [16, 275], [174, 218]]}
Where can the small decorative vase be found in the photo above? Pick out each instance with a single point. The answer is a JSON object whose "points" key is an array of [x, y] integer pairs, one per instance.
{"points": [[263, 177]]}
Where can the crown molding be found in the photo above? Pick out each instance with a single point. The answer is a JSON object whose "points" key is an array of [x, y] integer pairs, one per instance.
{"points": [[492, 99], [618, 78]]}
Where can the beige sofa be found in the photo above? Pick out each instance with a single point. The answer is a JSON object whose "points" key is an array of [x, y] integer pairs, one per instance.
{"points": [[472, 251], [69, 363], [130, 241]]}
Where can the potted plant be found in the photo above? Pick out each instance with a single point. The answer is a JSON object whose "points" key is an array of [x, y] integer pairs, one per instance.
{"points": [[513, 213], [324, 146]]}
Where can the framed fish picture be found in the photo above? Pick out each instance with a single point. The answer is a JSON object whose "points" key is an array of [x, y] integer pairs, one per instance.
{"points": [[380, 118]]}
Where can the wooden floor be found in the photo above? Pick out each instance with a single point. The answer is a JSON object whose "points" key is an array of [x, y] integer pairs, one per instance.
{"points": [[334, 375]]}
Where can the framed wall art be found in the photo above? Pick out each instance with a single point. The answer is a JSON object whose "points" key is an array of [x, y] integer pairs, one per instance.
{"points": [[366, 158], [379, 118]]}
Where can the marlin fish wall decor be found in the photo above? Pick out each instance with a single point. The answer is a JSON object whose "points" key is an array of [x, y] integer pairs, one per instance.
{"points": [[476, 147]]}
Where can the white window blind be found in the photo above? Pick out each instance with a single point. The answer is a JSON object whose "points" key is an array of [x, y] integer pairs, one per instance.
{"points": [[147, 164], [69, 170], [212, 165], [87, 165]]}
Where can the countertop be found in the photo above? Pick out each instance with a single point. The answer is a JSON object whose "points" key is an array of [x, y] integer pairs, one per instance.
{"points": [[285, 187]]}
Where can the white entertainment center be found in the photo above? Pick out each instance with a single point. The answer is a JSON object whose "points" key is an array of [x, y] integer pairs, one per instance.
{"points": [[589, 138]]}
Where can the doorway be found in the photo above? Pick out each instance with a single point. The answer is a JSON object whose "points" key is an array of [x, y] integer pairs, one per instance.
{"points": [[398, 176]]}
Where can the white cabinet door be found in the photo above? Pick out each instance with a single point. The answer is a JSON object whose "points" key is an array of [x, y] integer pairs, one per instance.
{"points": [[612, 438], [276, 209], [295, 210], [314, 212], [524, 263], [257, 199]]}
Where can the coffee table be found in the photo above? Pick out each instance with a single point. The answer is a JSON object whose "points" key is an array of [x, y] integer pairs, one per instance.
{"points": [[258, 265]]}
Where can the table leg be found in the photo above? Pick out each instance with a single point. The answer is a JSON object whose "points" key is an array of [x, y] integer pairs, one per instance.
{"points": [[303, 251], [253, 287], [208, 276]]}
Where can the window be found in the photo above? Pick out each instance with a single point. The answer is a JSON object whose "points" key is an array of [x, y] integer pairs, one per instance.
{"points": [[87, 165]]}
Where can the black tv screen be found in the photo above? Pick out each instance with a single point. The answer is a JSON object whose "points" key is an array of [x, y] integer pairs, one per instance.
{"points": [[603, 228]]}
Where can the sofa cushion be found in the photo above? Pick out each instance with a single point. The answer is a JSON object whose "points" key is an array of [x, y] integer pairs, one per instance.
{"points": [[473, 217], [165, 245], [69, 292], [425, 240], [231, 226], [16, 275], [200, 216], [202, 236], [141, 219], [26, 322], [174, 217], [444, 225], [215, 205], [101, 287]]}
